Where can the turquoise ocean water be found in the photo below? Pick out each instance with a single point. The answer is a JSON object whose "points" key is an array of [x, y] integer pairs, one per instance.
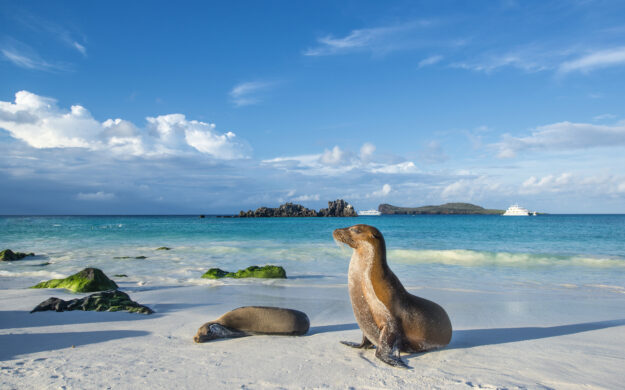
{"points": [[489, 252]]}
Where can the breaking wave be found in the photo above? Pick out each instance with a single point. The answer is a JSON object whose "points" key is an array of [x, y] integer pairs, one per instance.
{"points": [[469, 258]]}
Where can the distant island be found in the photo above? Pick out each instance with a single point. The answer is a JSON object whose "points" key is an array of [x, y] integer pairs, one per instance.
{"points": [[336, 208], [447, 208]]}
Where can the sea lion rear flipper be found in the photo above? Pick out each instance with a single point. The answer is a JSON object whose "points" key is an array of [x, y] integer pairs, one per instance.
{"points": [[365, 344], [388, 346]]}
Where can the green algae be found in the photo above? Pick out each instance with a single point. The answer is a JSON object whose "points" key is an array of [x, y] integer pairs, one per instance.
{"points": [[87, 280], [112, 300], [254, 271]]}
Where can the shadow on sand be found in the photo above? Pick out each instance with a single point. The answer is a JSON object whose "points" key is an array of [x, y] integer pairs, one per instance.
{"points": [[480, 337], [331, 328], [25, 319], [20, 344]]}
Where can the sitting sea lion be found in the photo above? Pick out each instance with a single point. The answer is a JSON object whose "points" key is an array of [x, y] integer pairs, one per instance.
{"points": [[390, 318], [251, 320]]}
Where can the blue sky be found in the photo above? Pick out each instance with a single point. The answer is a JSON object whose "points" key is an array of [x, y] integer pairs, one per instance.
{"points": [[164, 108]]}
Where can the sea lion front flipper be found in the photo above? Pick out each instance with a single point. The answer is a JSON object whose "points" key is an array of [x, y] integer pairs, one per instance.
{"points": [[365, 344], [388, 346]]}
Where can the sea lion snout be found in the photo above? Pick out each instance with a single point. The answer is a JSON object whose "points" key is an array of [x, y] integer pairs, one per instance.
{"points": [[353, 235]]}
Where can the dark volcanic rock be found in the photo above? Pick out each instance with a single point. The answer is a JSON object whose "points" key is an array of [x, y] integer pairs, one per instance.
{"points": [[9, 255], [337, 208], [113, 300]]}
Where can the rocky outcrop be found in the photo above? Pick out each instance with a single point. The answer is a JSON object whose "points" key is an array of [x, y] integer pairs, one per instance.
{"points": [[337, 208], [87, 280], [113, 300], [9, 255], [254, 271]]}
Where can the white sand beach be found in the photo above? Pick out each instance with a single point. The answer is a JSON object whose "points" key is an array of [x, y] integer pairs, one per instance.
{"points": [[571, 337]]}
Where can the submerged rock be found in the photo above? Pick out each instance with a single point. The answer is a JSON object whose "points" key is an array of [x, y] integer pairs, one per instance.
{"points": [[87, 280], [254, 271], [120, 275], [112, 300], [128, 257], [9, 255], [163, 248]]}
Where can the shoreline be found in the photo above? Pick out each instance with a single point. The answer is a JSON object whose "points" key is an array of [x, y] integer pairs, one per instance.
{"points": [[500, 339]]}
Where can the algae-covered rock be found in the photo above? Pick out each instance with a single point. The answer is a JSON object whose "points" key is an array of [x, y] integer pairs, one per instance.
{"points": [[112, 300], [9, 255], [254, 271], [120, 275], [163, 248], [87, 280]]}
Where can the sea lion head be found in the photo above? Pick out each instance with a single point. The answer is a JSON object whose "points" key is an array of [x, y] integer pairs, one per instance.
{"points": [[211, 331], [356, 235]]}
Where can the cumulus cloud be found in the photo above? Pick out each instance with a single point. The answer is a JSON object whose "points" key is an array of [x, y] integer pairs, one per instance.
{"points": [[549, 183], [248, 93], [563, 136], [336, 161], [470, 189], [332, 157], [39, 122], [100, 195], [596, 185], [366, 151], [385, 190]]}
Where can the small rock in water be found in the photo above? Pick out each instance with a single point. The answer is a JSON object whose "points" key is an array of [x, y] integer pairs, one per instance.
{"points": [[163, 248], [9, 255], [254, 271]]}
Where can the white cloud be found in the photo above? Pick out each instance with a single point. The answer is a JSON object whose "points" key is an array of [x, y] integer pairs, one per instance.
{"points": [[366, 151], [470, 189], [40, 123], [399, 168], [80, 48], [596, 60], [431, 60], [597, 185], [377, 40], [384, 191], [306, 198], [333, 157], [100, 196], [335, 161], [245, 94], [549, 183], [563, 136]]}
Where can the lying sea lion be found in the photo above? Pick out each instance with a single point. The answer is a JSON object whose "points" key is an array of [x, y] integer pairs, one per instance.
{"points": [[390, 318], [251, 320]]}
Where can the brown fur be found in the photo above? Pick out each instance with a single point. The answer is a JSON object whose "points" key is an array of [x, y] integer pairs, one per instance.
{"points": [[250, 320], [391, 318]]}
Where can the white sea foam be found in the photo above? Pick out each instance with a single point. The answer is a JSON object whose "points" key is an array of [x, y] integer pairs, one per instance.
{"points": [[468, 258]]}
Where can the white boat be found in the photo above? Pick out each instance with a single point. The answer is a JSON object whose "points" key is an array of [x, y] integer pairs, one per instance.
{"points": [[370, 213], [517, 211]]}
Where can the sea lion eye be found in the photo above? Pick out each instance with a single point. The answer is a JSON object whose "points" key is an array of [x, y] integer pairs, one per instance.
{"points": [[354, 229]]}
